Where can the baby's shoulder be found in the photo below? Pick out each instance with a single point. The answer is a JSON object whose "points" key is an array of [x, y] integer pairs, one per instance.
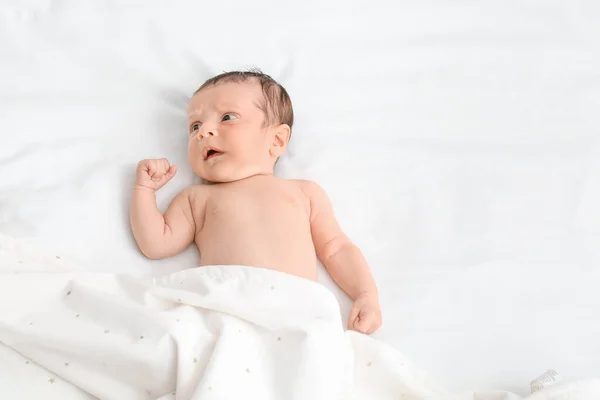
{"points": [[310, 188], [197, 192]]}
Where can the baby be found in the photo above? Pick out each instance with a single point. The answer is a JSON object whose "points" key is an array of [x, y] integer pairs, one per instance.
{"points": [[239, 125]]}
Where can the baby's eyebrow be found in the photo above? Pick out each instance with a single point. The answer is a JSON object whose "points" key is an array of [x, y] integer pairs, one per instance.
{"points": [[219, 107]]}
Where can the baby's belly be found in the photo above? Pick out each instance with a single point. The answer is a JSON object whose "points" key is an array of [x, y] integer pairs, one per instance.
{"points": [[272, 246]]}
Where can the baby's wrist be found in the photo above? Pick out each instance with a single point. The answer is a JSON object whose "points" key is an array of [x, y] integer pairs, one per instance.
{"points": [[138, 187], [368, 294]]}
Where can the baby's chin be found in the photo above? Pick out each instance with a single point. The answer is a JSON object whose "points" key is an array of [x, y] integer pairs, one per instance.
{"points": [[219, 175], [210, 180], [216, 178]]}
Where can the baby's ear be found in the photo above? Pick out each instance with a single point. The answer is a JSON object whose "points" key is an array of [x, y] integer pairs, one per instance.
{"points": [[281, 138]]}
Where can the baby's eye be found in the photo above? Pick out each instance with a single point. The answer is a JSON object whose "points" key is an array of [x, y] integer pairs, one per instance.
{"points": [[229, 117], [195, 127]]}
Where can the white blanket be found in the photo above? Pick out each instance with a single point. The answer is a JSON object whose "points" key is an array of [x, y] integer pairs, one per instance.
{"points": [[219, 332]]}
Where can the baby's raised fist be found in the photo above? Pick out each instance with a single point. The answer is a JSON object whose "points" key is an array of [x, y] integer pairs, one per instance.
{"points": [[154, 174]]}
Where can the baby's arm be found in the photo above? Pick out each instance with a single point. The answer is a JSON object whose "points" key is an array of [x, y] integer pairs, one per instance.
{"points": [[343, 260], [157, 235]]}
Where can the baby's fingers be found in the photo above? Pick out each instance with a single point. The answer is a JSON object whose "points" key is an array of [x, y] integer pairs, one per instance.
{"points": [[363, 323], [152, 168], [158, 168], [353, 316], [361, 326], [374, 324], [164, 166], [171, 172]]}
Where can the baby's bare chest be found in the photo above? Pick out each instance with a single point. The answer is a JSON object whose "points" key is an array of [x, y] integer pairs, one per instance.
{"points": [[258, 225], [259, 205]]}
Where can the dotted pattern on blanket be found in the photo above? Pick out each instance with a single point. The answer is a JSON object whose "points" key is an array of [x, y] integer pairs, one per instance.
{"points": [[67, 364]]}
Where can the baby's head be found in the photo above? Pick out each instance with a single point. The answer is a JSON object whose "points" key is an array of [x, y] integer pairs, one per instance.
{"points": [[239, 125]]}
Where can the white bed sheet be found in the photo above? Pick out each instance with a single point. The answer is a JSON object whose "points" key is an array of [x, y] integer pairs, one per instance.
{"points": [[459, 142]]}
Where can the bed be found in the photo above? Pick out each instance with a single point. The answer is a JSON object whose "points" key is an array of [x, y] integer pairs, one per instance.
{"points": [[459, 142]]}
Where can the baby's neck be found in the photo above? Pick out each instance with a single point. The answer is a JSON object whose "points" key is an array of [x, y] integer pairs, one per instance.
{"points": [[255, 175]]}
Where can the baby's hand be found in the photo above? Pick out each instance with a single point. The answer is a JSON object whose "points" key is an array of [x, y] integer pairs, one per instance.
{"points": [[365, 315], [154, 174]]}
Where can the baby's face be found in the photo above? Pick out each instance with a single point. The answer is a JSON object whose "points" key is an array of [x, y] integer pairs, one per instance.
{"points": [[228, 140]]}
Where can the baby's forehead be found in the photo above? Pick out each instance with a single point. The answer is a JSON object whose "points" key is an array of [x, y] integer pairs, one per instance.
{"points": [[227, 94]]}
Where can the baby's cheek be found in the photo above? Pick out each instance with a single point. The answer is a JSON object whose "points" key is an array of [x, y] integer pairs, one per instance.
{"points": [[194, 151], [196, 166], [194, 157]]}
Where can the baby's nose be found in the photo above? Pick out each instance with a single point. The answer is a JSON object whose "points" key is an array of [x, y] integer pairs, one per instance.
{"points": [[204, 133]]}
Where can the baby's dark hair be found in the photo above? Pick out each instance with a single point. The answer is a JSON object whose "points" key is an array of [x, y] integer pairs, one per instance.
{"points": [[276, 103]]}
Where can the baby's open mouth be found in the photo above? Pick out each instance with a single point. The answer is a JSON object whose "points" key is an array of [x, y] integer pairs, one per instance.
{"points": [[211, 153]]}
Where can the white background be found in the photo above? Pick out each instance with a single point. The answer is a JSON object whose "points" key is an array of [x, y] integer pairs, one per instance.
{"points": [[458, 140]]}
